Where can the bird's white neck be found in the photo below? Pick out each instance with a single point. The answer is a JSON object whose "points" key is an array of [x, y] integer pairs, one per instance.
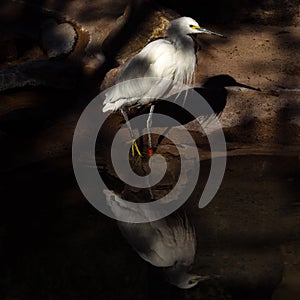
{"points": [[185, 57], [181, 42]]}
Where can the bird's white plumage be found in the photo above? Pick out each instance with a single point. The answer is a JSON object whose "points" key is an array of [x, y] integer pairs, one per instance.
{"points": [[162, 244], [169, 243], [172, 58]]}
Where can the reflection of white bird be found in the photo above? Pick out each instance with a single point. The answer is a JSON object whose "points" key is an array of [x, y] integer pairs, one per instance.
{"points": [[168, 243], [171, 246], [172, 58]]}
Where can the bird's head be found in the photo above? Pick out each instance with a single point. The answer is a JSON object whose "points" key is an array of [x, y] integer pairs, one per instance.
{"points": [[182, 279], [187, 25]]}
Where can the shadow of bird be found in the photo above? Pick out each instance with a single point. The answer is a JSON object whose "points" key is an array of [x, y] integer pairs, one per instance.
{"points": [[213, 90]]}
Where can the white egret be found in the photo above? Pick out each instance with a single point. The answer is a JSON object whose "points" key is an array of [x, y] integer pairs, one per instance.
{"points": [[168, 243], [172, 58]]}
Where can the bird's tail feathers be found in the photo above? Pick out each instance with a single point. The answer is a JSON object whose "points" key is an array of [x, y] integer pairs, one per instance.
{"points": [[109, 107]]}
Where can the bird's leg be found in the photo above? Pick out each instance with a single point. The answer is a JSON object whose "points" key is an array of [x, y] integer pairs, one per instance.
{"points": [[149, 124], [127, 123], [134, 145]]}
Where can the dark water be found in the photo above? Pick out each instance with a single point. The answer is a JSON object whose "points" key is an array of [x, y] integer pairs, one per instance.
{"points": [[55, 245]]}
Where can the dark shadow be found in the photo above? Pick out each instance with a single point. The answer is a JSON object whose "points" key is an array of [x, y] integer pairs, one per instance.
{"points": [[233, 12], [213, 91]]}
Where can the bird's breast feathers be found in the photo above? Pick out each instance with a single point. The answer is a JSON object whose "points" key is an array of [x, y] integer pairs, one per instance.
{"points": [[161, 58]]}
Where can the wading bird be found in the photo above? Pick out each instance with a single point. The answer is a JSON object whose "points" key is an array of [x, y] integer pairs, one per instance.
{"points": [[172, 58], [169, 243]]}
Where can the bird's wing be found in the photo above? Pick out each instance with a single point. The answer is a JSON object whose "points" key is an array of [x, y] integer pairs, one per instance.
{"points": [[155, 60], [185, 249], [161, 243], [149, 243]]}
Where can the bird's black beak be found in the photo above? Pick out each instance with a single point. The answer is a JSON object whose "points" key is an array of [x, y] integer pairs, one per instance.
{"points": [[202, 278], [203, 30], [248, 87]]}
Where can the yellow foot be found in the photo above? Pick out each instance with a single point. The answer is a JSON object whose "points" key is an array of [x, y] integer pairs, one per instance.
{"points": [[134, 147]]}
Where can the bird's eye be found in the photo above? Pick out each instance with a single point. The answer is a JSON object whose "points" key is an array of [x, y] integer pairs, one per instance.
{"points": [[193, 281]]}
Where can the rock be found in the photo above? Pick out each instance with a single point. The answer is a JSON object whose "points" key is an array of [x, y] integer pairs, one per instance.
{"points": [[8, 49], [110, 78], [58, 39], [53, 74]]}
